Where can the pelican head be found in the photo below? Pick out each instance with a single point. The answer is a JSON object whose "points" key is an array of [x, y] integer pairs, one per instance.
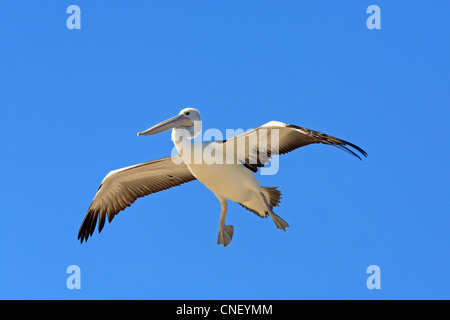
{"points": [[188, 119]]}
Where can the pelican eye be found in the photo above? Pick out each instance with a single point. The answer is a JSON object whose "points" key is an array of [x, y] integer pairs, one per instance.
{"points": [[187, 113]]}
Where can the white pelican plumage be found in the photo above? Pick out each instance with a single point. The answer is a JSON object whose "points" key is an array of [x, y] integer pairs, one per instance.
{"points": [[231, 178]]}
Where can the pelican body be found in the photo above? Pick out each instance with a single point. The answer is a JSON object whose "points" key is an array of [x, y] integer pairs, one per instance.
{"points": [[229, 172]]}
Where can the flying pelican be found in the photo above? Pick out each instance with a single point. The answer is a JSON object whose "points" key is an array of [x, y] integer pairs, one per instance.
{"points": [[230, 179]]}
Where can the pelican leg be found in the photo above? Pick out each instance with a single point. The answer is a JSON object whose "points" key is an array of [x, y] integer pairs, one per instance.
{"points": [[225, 232], [279, 222]]}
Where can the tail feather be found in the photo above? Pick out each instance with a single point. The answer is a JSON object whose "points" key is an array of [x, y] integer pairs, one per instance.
{"points": [[273, 196]]}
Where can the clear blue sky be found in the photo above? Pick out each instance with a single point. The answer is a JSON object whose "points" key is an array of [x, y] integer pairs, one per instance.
{"points": [[72, 102]]}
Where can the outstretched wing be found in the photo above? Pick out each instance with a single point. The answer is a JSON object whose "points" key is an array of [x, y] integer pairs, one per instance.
{"points": [[254, 148], [120, 188]]}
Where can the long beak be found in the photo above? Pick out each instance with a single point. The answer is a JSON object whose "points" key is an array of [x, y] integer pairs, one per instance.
{"points": [[179, 120]]}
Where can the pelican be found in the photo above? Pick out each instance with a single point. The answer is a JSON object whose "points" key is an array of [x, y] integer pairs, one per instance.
{"points": [[232, 178]]}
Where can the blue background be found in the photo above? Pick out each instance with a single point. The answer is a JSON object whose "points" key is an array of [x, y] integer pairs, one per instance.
{"points": [[72, 102]]}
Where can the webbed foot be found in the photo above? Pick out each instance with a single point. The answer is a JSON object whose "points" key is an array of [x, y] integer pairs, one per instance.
{"points": [[225, 235], [280, 223]]}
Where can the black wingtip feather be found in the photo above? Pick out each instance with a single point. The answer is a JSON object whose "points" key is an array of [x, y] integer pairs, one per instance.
{"points": [[332, 141], [88, 225], [345, 148], [350, 151], [101, 222]]}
